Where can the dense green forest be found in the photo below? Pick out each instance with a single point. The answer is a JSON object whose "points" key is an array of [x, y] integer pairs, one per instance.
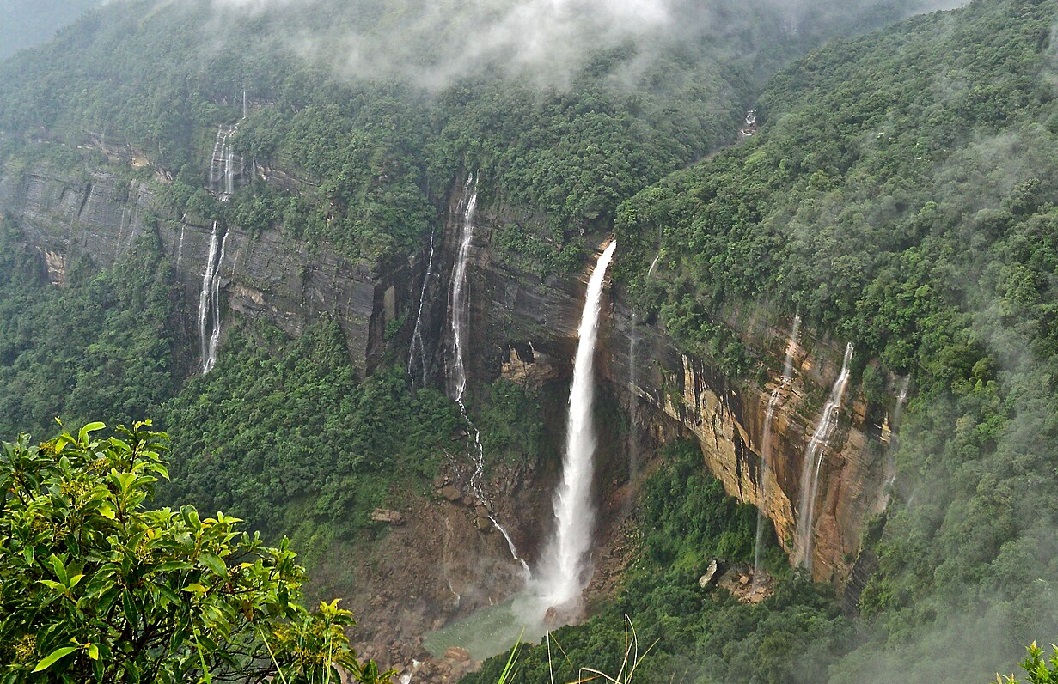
{"points": [[899, 195]]}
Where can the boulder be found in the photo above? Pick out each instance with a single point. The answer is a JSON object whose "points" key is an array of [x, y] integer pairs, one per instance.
{"points": [[389, 517]]}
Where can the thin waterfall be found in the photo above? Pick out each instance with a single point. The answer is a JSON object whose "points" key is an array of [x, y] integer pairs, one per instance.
{"points": [[813, 460], [766, 447], [416, 335], [216, 161], [460, 316], [180, 246], [654, 265], [633, 384], [222, 167], [889, 476], [563, 576], [209, 299]]}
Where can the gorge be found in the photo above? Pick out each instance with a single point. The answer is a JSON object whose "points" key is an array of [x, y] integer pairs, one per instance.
{"points": [[819, 368]]}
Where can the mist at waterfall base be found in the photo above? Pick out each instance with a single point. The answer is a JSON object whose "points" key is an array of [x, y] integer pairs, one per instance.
{"points": [[553, 594]]}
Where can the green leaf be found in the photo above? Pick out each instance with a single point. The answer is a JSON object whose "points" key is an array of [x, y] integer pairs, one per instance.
{"points": [[82, 434], [214, 563], [59, 568], [54, 656], [129, 607], [93, 651]]}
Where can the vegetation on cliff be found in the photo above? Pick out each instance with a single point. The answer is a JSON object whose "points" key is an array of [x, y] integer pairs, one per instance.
{"points": [[899, 195], [695, 634]]}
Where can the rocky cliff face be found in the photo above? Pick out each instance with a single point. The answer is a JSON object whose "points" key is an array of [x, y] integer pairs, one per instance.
{"points": [[268, 275], [525, 329], [530, 334]]}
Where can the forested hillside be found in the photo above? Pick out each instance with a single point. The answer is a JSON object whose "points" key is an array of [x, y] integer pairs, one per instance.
{"points": [[360, 163], [898, 195]]}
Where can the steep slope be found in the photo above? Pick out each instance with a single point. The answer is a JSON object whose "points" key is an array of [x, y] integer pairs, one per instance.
{"points": [[899, 196], [344, 186]]}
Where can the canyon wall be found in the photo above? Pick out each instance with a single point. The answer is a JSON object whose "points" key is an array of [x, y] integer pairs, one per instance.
{"points": [[69, 215], [525, 329]]}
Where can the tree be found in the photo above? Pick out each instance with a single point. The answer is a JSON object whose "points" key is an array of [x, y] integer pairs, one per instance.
{"points": [[96, 587], [1040, 671]]}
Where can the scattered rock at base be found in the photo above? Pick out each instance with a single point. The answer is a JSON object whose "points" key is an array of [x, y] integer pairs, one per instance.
{"points": [[389, 517], [456, 654], [711, 575]]}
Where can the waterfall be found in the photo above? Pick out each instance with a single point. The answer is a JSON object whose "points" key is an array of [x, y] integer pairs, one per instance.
{"points": [[416, 335], [563, 575], [209, 300], [460, 304], [813, 459], [180, 246], [222, 163], [633, 400], [654, 265], [766, 450], [460, 316], [889, 473]]}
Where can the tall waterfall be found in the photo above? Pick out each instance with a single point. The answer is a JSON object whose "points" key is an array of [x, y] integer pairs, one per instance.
{"points": [[209, 300], [813, 460], [563, 577], [416, 335], [460, 304], [766, 450], [457, 378]]}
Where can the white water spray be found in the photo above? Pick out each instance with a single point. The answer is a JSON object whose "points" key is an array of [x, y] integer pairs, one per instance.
{"points": [[460, 304], [222, 166], [813, 460], [766, 451], [460, 316], [563, 576], [209, 299]]}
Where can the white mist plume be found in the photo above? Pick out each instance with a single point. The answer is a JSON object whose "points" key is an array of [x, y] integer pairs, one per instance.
{"points": [[546, 38], [431, 44]]}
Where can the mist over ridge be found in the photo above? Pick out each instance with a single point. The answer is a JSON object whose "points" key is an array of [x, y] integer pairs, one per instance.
{"points": [[434, 44]]}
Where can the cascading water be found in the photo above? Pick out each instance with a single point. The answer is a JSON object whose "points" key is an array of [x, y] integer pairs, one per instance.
{"points": [[889, 476], [813, 460], [416, 335], [460, 305], [766, 450], [654, 265], [563, 576], [457, 378], [209, 299], [633, 385], [222, 167], [180, 246]]}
